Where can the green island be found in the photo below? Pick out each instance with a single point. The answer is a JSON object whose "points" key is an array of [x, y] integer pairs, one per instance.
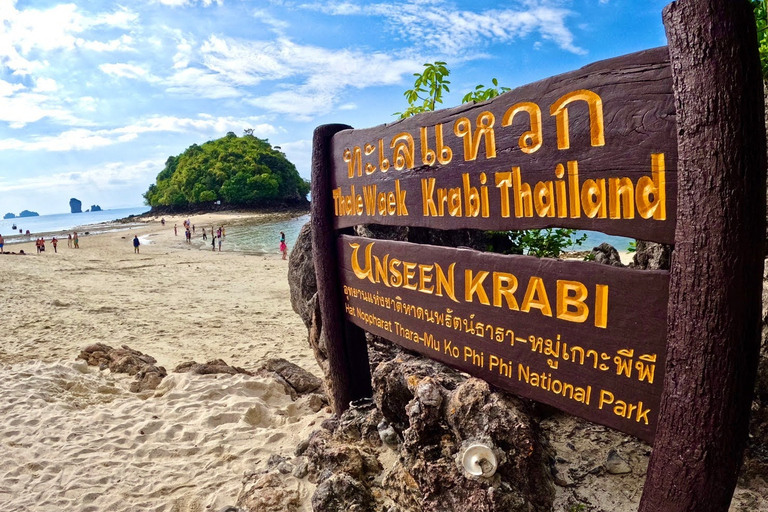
{"points": [[235, 171]]}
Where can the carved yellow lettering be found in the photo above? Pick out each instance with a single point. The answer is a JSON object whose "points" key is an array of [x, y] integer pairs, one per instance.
{"points": [[504, 286], [362, 272], [425, 277], [571, 294], [446, 282], [504, 182], [593, 198], [543, 195], [651, 195], [409, 271], [601, 306], [474, 285], [621, 194], [536, 297], [397, 277], [559, 109], [382, 275]]}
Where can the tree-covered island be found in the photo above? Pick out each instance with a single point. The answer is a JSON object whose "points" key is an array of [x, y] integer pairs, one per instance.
{"points": [[238, 171]]}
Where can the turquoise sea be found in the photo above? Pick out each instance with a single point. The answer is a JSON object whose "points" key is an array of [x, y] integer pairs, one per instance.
{"points": [[62, 222], [265, 238]]}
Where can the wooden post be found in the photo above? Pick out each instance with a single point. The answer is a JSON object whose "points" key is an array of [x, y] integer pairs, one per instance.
{"points": [[716, 276], [350, 374]]}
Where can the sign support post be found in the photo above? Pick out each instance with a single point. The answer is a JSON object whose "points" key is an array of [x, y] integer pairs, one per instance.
{"points": [[347, 350], [716, 276]]}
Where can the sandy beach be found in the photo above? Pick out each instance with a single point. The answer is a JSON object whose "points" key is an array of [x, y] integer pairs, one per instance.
{"points": [[74, 437]]}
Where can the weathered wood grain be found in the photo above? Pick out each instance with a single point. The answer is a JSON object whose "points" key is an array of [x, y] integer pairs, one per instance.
{"points": [[347, 348], [636, 322], [717, 266], [639, 120]]}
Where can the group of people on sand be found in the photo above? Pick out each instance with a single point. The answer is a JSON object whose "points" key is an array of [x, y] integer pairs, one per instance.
{"points": [[216, 236]]}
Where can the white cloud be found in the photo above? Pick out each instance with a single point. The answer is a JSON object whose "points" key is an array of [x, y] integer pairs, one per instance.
{"points": [[24, 107], [109, 175], [266, 18], [184, 3], [311, 89], [125, 70], [200, 83], [85, 139], [46, 85], [440, 26]]}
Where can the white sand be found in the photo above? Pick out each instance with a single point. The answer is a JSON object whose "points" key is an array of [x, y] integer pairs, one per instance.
{"points": [[75, 438]]}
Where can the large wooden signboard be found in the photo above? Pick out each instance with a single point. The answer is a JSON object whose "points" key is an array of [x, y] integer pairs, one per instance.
{"points": [[586, 338], [591, 149], [669, 357]]}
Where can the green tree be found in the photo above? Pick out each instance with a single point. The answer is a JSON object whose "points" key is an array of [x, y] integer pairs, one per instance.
{"points": [[427, 90], [761, 18], [483, 93], [238, 170]]}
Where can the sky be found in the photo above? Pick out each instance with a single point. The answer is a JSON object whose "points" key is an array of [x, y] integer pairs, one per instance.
{"points": [[96, 95]]}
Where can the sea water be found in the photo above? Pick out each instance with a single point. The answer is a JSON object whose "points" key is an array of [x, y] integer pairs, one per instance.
{"points": [[61, 222], [263, 238]]}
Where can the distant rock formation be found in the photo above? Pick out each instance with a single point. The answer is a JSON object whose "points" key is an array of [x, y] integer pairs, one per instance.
{"points": [[9, 216], [95, 208], [75, 205], [27, 213]]}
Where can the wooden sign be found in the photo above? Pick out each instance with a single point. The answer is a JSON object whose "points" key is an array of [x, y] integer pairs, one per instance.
{"points": [[591, 149], [594, 149], [586, 338]]}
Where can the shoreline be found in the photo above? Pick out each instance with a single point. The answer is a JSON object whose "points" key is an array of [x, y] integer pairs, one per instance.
{"points": [[228, 217]]}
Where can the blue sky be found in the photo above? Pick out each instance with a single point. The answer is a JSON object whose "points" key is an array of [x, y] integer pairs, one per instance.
{"points": [[95, 95]]}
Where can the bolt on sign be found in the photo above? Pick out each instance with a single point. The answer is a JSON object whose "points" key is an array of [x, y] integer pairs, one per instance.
{"points": [[593, 149]]}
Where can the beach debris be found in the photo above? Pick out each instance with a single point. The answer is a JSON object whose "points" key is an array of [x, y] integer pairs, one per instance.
{"points": [[209, 368], [615, 465]]}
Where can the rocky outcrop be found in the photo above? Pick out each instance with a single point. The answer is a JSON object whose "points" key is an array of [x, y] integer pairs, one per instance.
{"points": [[27, 213], [209, 368], [400, 450], [409, 458], [9, 215], [75, 205], [652, 256], [606, 254], [125, 360], [95, 208], [299, 379]]}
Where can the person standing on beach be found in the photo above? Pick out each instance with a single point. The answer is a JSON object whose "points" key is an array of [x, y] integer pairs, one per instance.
{"points": [[219, 242], [175, 230], [55, 244], [283, 247], [213, 241], [205, 237], [136, 244], [69, 240], [2, 243], [76, 241]]}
